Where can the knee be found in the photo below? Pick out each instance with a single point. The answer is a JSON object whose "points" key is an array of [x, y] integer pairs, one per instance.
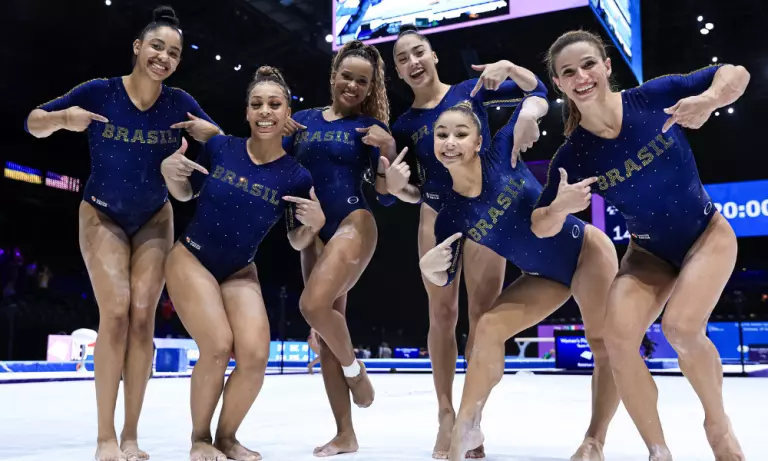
{"points": [[114, 317], [252, 359], [312, 307], [443, 315], [219, 350], [682, 334], [142, 319], [618, 341], [489, 327], [597, 345]]}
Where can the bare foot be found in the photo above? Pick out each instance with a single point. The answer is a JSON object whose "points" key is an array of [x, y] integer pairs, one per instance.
{"points": [[723, 441], [132, 451], [443, 441], [342, 443], [235, 450], [203, 451], [590, 450], [660, 454], [476, 453], [466, 437], [361, 388], [108, 450]]}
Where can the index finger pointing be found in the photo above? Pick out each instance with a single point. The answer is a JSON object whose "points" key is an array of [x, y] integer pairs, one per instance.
{"points": [[193, 165], [290, 198], [183, 125], [400, 157], [477, 87], [587, 182], [449, 241], [99, 118]]}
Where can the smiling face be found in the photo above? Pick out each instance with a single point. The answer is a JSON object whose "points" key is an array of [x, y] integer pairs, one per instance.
{"points": [[267, 111], [582, 73], [457, 138], [415, 61], [352, 82], [158, 53]]}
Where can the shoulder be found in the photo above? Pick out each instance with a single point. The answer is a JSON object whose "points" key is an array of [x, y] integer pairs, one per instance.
{"points": [[181, 97], [366, 121], [222, 141]]}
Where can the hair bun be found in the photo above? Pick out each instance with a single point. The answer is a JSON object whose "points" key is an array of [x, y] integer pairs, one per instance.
{"points": [[405, 28], [165, 14], [268, 71]]}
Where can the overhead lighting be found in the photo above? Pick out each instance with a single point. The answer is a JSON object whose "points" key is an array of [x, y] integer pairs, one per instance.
{"points": [[717, 114], [700, 18], [544, 133], [107, 2], [329, 38], [714, 59], [194, 47], [218, 58], [709, 26], [730, 110], [558, 100], [238, 67], [704, 31], [301, 99]]}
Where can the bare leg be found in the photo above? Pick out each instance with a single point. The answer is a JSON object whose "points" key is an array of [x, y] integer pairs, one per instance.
{"points": [[441, 339], [592, 281], [701, 281], [150, 247], [345, 440], [250, 326], [107, 255], [342, 262], [484, 277], [636, 298], [523, 304], [311, 365], [198, 300]]}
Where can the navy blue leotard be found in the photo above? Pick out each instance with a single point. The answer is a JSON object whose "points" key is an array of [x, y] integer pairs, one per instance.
{"points": [[414, 130], [338, 161], [126, 153], [500, 217], [238, 203], [649, 176]]}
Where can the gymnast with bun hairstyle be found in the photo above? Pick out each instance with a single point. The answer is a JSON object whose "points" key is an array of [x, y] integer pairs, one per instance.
{"points": [[243, 186], [126, 221]]}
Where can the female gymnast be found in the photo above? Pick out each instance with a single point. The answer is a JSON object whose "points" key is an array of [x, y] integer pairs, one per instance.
{"points": [[416, 62], [126, 221], [491, 202], [338, 146], [210, 273], [682, 250]]}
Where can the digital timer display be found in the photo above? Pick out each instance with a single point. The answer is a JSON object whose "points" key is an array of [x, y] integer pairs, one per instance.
{"points": [[743, 204]]}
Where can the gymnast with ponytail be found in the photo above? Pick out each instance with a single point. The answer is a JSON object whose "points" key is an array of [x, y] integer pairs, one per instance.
{"points": [[126, 221]]}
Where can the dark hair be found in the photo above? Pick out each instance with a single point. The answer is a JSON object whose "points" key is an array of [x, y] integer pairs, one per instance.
{"points": [[571, 113], [162, 16], [377, 105], [410, 29], [465, 108], [269, 74]]}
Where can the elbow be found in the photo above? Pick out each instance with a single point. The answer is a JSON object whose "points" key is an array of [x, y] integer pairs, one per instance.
{"points": [[744, 77]]}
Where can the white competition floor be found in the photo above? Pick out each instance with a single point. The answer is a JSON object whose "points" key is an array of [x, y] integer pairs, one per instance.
{"points": [[528, 418]]}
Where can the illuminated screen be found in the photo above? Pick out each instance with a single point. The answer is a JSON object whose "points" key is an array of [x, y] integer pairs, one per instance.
{"points": [[59, 181], [22, 173], [621, 19], [744, 205], [376, 21]]}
